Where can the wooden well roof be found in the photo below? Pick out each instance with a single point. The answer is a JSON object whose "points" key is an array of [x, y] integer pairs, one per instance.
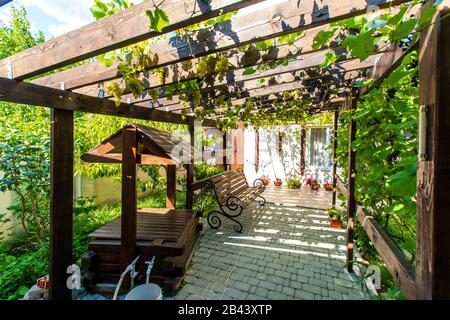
{"points": [[154, 146]]}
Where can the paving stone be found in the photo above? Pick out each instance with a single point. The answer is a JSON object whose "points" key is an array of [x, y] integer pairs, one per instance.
{"points": [[236, 294], [300, 294], [272, 295], [241, 286], [318, 283], [268, 274], [296, 285], [311, 289], [335, 295], [275, 279], [288, 291], [261, 292]]}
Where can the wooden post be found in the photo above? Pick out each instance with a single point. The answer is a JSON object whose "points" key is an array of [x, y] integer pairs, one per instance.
{"points": [[256, 150], [303, 151], [61, 203], [171, 192], [335, 134], [351, 201], [433, 174], [224, 147], [129, 197], [190, 168]]}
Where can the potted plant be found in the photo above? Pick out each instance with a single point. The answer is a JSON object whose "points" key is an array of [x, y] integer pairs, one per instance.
{"points": [[334, 216], [294, 183], [315, 185], [308, 182], [278, 182], [328, 186], [265, 180]]}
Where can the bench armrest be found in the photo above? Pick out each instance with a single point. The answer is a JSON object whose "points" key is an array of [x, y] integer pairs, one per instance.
{"points": [[259, 183]]}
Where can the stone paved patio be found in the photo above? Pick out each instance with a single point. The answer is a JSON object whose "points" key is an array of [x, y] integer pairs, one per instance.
{"points": [[284, 252]]}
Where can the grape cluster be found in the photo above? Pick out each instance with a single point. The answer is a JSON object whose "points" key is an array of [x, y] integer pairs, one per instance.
{"points": [[114, 89], [135, 86], [161, 73], [202, 68], [406, 43], [221, 66]]}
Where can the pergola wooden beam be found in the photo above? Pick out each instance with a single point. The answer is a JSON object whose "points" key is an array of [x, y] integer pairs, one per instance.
{"points": [[113, 32], [31, 94], [282, 74], [281, 19], [240, 97]]}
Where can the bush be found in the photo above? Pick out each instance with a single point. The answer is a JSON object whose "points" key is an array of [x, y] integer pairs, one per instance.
{"points": [[204, 170]]}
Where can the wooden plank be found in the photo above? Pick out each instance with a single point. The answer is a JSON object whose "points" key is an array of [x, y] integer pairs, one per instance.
{"points": [[171, 192], [36, 95], [351, 201], [278, 20], [433, 174], [61, 202], [113, 32], [335, 145], [129, 196], [190, 168], [400, 268], [341, 187]]}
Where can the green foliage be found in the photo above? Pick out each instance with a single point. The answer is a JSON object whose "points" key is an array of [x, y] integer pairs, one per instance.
{"points": [[203, 170], [158, 19], [294, 183], [386, 146], [102, 9]]}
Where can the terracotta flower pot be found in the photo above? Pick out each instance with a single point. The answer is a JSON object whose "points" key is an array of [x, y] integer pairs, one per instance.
{"points": [[278, 183], [336, 223], [315, 187], [328, 187]]}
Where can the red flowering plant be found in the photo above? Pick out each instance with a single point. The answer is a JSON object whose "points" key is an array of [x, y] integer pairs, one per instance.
{"points": [[315, 185]]}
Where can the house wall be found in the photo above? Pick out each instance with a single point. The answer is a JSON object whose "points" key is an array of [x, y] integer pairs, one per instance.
{"points": [[285, 164]]}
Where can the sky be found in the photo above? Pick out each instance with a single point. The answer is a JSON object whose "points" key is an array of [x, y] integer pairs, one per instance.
{"points": [[53, 17], [56, 17]]}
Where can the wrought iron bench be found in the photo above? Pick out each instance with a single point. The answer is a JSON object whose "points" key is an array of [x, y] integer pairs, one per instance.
{"points": [[233, 195]]}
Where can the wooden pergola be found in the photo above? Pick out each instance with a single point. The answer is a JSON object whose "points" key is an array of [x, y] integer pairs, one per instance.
{"points": [[81, 89]]}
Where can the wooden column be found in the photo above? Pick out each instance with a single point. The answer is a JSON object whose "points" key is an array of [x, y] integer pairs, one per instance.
{"points": [[303, 151], [190, 168], [256, 150], [61, 203], [335, 134], [351, 202], [129, 197], [224, 146], [433, 174], [171, 192]]}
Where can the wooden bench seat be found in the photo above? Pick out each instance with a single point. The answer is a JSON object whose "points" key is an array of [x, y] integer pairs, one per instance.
{"points": [[233, 195]]}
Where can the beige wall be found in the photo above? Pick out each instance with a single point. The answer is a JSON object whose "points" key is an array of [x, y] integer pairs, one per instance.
{"points": [[6, 200]]}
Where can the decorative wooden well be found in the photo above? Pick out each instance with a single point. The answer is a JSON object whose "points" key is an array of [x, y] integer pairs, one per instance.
{"points": [[169, 234]]}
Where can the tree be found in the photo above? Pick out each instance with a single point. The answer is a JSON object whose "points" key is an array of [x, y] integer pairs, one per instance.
{"points": [[18, 36], [24, 140]]}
